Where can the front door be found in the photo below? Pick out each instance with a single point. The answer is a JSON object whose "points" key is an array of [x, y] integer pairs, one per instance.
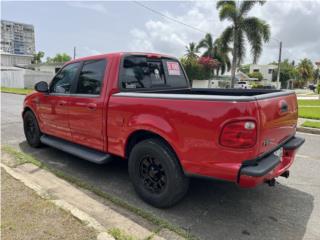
{"points": [[86, 107], [53, 107]]}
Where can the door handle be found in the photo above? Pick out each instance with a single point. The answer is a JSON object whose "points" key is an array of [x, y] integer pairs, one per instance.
{"points": [[92, 106]]}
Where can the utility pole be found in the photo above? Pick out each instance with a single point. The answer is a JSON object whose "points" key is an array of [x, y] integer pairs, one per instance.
{"points": [[279, 61], [74, 52]]}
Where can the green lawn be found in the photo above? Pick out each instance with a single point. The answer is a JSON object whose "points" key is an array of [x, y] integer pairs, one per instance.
{"points": [[16, 90], [309, 112], [309, 103], [311, 124]]}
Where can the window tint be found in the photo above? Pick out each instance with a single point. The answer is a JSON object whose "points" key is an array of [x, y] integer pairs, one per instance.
{"points": [[91, 77], [62, 82], [143, 72]]}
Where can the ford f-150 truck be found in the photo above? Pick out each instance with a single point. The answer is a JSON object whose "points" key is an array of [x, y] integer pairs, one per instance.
{"points": [[140, 106]]}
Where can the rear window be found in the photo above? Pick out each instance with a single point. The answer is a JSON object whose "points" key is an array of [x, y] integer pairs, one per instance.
{"points": [[140, 72]]}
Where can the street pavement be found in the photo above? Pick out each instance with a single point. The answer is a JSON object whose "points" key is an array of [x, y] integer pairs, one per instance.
{"points": [[211, 209]]}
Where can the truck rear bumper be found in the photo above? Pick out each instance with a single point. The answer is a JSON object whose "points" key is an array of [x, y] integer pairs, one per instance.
{"points": [[270, 166]]}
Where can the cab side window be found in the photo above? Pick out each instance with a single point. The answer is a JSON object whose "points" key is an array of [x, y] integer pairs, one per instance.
{"points": [[91, 77], [62, 82]]}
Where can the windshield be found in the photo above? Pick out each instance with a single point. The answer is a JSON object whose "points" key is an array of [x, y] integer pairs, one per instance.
{"points": [[141, 72]]}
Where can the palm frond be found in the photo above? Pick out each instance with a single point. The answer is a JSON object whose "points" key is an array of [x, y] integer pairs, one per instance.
{"points": [[229, 12], [240, 45], [226, 38], [221, 3], [256, 30], [246, 6]]}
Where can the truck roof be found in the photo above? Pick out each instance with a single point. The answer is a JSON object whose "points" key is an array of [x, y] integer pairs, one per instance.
{"points": [[120, 54]]}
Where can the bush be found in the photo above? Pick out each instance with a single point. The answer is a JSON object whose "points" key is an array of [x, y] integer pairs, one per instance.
{"points": [[195, 70], [257, 75], [256, 85]]}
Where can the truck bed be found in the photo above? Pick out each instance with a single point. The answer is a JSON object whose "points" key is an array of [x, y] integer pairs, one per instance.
{"points": [[210, 94]]}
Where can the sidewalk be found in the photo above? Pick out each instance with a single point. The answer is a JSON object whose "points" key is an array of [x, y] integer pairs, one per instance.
{"points": [[98, 218]]}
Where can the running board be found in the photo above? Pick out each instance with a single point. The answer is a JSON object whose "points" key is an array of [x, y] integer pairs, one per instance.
{"points": [[76, 149]]}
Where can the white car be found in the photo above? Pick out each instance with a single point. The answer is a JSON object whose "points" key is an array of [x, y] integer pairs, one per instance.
{"points": [[242, 85]]}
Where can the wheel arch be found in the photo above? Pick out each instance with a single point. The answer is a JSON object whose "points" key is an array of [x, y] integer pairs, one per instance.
{"points": [[141, 135], [28, 108]]}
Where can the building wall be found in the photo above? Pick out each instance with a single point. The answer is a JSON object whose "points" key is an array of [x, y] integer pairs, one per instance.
{"points": [[12, 77], [8, 59], [265, 70], [17, 38], [48, 68], [32, 77], [22, 78]]}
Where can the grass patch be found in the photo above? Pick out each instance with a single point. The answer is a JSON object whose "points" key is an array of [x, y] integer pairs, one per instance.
{"points": [[20, 157], [161, 223], [311, 124], [22, 91], [309, 103], [120, 235], [309, 112]]}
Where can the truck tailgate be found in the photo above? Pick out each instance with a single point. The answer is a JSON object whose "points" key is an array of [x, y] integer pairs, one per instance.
{"points": [[278, 120]]}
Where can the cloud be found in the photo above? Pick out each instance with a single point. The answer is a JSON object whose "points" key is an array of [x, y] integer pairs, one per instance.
{"points": [[296, 24], [91, 6]]}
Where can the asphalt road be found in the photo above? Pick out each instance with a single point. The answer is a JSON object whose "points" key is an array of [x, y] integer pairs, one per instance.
{"points": [[211, 209]]}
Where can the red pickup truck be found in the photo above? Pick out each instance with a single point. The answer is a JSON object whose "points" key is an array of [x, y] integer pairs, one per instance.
{"points": [[140, 106]]}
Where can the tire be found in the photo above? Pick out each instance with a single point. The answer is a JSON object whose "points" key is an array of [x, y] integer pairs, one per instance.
{"points": [[156, 173], [31, 129]]}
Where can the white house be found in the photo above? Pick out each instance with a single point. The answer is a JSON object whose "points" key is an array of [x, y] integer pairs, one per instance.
{"points": [[265, 70]]}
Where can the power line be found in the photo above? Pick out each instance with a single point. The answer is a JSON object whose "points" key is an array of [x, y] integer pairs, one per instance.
{"points": [[167, 17]]}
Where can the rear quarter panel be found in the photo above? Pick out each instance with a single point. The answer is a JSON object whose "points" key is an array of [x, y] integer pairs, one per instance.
{"points": [[191, 127]]}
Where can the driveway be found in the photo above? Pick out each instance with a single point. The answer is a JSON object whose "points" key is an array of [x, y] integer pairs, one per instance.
{"points": [[211, 209]]}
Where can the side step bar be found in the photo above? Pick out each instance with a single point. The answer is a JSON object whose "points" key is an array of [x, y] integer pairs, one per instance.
{"points": [[76, 149]]}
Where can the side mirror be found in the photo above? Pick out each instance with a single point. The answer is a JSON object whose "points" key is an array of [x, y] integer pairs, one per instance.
{"points": [[42, 87]]}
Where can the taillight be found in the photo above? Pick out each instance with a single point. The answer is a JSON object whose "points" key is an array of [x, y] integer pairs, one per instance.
{"points": [[240, 134]]}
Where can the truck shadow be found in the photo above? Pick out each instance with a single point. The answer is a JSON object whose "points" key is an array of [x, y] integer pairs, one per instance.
{"points": [[210, 210]]}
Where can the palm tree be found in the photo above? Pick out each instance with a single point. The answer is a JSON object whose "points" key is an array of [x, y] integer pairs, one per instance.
{"points": [[305, 69], [216, 50], [208, 44], [192, 51], [254, 29], [221, 54]]}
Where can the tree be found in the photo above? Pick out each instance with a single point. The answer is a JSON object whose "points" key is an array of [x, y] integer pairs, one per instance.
{"points": [[194, 70], [59, 58], [257, 75], [254, 29], [305, 69], [192, 51], [216, 50], [37, 57], [245, 68], [287, 72]]}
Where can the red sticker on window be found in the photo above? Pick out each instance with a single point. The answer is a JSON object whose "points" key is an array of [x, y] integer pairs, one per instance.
{"points": [[173, 68]]}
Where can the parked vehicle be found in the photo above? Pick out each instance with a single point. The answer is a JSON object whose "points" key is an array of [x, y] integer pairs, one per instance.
{"points": [[139, 106], [242, 85]]}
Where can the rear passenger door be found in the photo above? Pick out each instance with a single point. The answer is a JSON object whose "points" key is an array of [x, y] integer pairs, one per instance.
{"points": [[86, 108]]}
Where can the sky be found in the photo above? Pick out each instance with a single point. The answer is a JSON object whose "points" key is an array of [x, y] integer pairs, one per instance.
{"points": [[109, 26]]}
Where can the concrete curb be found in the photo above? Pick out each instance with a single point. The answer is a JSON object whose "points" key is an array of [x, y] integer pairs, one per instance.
{"points": [[308, 130]]}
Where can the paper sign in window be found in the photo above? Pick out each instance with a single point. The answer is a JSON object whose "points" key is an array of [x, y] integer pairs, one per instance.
{"points": [[173, 68]]}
